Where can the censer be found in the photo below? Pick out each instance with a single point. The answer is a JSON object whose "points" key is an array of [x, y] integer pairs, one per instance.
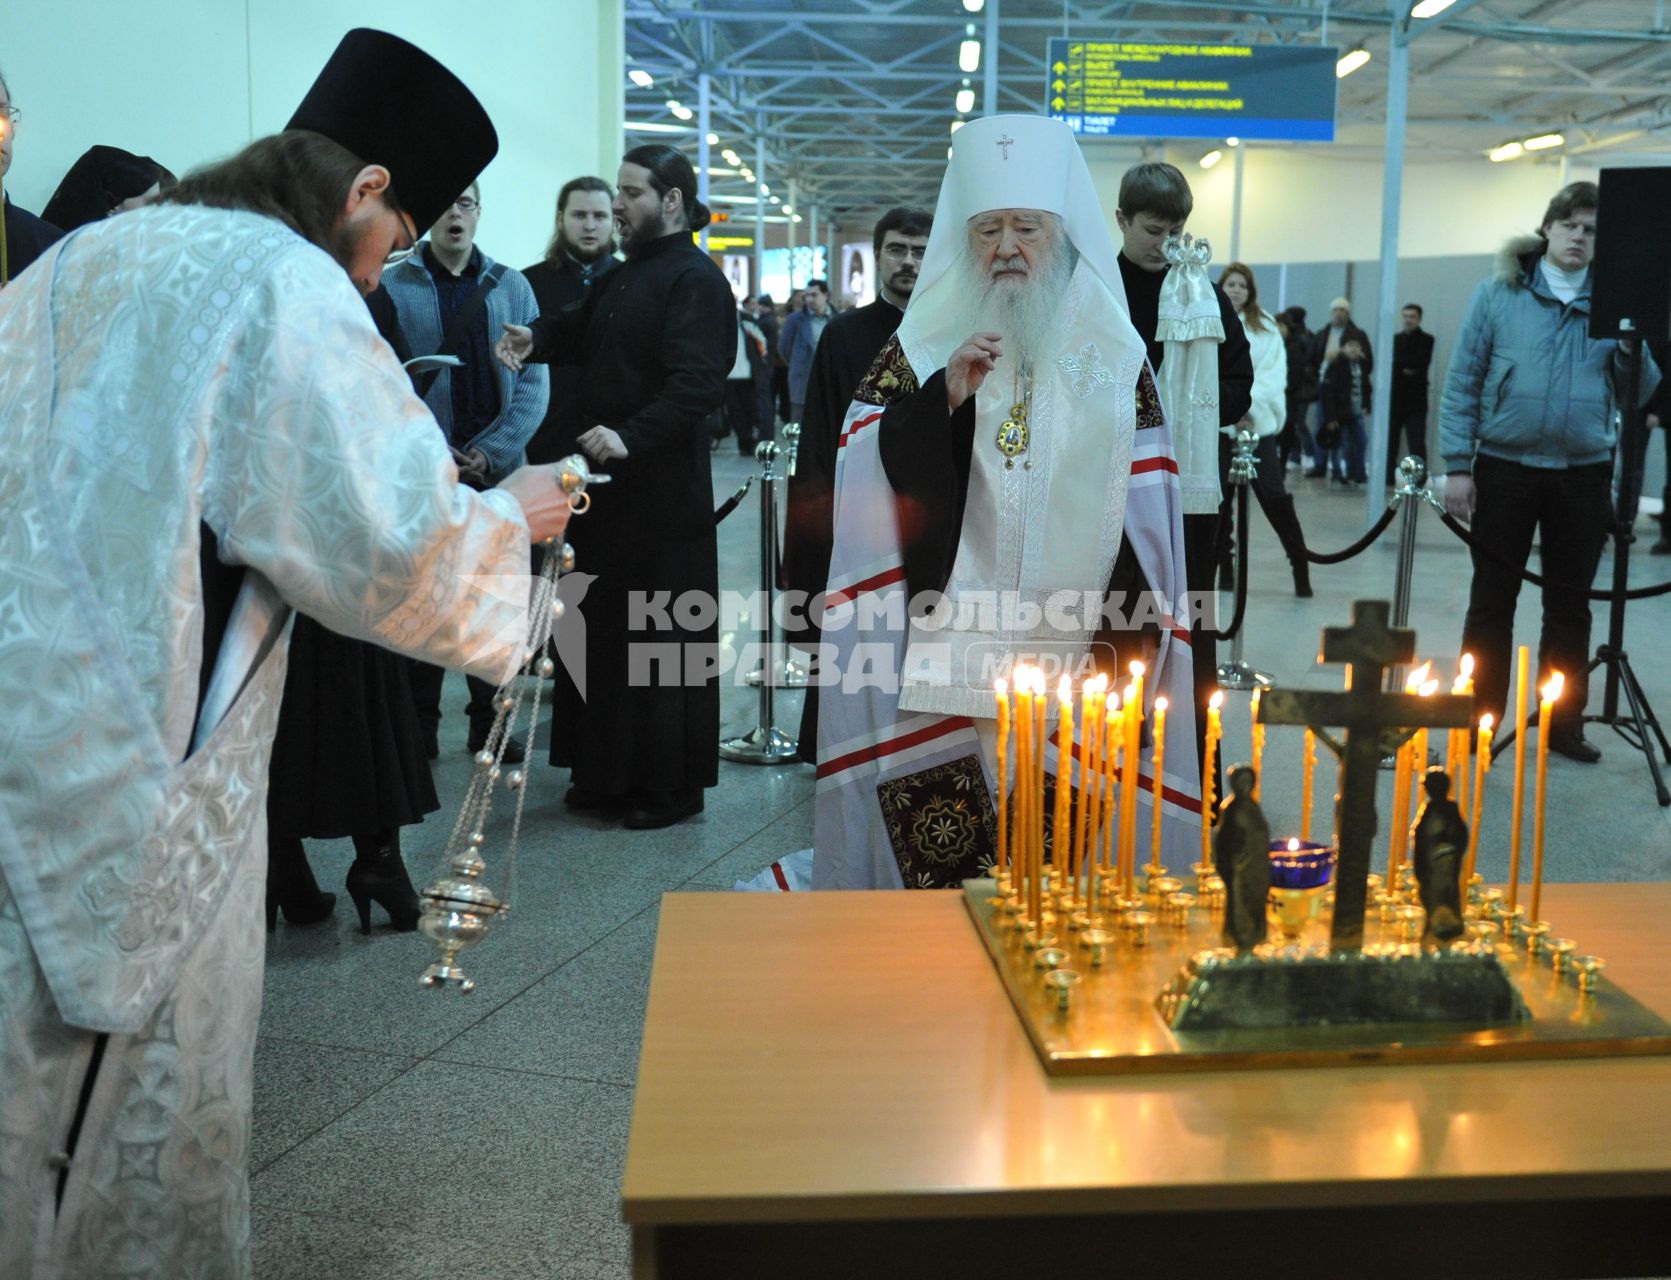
{"points": [[459, 908]]}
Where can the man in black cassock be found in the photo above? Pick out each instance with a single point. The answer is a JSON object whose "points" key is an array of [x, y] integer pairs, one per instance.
{"points": [[655, 341], [26, 236], [845, 353], [1155, 203], [580, 255]]}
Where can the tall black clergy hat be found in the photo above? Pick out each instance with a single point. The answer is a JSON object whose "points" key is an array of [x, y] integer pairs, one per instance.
{"points": [[392, 104]]}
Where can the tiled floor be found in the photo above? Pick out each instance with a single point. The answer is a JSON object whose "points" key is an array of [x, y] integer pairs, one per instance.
{"points": [[406, 1133]]}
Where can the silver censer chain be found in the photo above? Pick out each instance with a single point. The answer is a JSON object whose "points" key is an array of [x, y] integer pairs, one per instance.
{"points": [[459, 908]]}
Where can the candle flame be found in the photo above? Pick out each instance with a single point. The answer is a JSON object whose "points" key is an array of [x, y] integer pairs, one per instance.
{"points": [[1217, 700], [1467, 666], [1114, 705], [1293, 844], [1552, 690], [1429, 688], [1131, 692], [1064, 690], [1160, 703], [1413, 681], [1486, 721], [1002, 686], [1098, 684]]}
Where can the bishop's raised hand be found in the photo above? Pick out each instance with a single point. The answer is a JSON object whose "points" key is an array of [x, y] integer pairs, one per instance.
{"points": [[969, 365]]}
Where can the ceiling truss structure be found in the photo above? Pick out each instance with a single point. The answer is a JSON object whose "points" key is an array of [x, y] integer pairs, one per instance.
{"points": [[855, 99]]}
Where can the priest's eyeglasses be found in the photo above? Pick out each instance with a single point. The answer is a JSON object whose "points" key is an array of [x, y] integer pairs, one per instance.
{"points": [[467, 204], [900, 252], [11, 113]]}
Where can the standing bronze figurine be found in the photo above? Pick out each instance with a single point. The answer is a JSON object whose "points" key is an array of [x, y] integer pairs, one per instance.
{"points": [[1242, 851], [1441, 843]]}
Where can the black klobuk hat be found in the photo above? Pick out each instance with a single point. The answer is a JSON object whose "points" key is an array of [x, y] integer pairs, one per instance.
{"points": [[392, 104]]}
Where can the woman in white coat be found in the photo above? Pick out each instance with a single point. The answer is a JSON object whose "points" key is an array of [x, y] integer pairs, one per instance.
{"points": [[1265, 416]]}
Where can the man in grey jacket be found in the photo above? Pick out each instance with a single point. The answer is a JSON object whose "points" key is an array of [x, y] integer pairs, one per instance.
{"points": [[455, 300], [1526, 433]]}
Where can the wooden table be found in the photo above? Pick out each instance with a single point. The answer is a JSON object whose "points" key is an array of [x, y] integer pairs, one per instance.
{"points": [[834, 1084]]}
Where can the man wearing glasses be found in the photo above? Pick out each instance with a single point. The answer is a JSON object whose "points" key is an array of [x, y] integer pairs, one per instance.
{"points": [[850, 343], [454, 300], [26, 236]]}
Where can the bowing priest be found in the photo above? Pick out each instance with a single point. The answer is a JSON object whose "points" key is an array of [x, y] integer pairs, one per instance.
{"points": [[200, 429], [1005, 490], [845, 352]]}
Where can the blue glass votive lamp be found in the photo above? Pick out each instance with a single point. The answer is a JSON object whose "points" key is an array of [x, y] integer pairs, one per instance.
{"points": [[1301, 871]]}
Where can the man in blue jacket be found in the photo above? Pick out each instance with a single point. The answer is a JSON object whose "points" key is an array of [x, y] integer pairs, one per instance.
{"points": [[801, 333], [455, 300], [1526, 433]]}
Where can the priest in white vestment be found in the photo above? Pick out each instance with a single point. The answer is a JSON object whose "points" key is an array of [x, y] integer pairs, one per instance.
{"points": [[1006, 491], [200, 429]]}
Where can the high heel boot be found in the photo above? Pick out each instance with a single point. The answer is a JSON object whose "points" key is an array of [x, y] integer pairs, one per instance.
{"points": [[1279, 510], [379, 875], [291, 886]]}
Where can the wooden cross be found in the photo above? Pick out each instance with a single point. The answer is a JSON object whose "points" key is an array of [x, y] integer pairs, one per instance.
{"points": [[1006, 142], [1376, 725]]}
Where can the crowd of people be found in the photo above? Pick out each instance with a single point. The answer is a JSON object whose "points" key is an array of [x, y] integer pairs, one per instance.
{"points": [[363, 425]]}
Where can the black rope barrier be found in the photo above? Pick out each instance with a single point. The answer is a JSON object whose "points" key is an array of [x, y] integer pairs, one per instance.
{"points": [[1229, 633], [730, 504], [1358, 547], [1538, 580]]}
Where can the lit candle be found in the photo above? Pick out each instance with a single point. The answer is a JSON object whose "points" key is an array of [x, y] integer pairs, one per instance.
{"points": [[1546, 708], [1456, 763], [1160, 785], [1309, 763], [1002, 692], [1522, 664], [1023, 842], [1209, 775], [1128, 792], [1482, 766], [1090, 743], [1258, 735], [1102, 843], [1041, 700], [1061, 836]]}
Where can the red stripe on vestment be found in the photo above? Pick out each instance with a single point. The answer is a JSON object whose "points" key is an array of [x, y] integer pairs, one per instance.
{"points": [[858, 425], [1141, 466], [873, 583], [893, 746], [782, 880]]}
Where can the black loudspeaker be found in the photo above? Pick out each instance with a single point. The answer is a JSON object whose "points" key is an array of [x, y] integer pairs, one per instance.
{"points": [[1630, 285]]}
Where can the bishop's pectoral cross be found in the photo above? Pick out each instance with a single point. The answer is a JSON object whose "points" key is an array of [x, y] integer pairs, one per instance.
{"points": [[1376, 725]]}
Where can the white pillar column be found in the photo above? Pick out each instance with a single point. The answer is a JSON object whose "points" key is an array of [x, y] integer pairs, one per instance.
{"points": [[1392, 192], [989, 91], [704, 126], [759, 204], [1236, 208], [789, 235]]}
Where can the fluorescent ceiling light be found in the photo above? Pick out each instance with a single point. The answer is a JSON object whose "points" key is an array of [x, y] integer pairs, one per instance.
{"points": [[1211, 158], [1350, 62], [788, 208], [640, 77], [765, 190], [654, 126], [796, 218], [1431, 8], [683, 112], [1232, 142], [1544, 141], [969, 56], [713, 139], [974, 6], [956, 125], [1508, 151], [732, 158], [773, 200], [965, 100]]}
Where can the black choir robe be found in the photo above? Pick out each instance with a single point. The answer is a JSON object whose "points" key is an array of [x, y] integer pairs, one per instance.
{"points": [[851, 343], [556, 286], [27, 237], [654, 342]]}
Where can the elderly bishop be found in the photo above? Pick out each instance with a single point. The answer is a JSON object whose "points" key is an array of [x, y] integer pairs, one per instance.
{"points": [[1006, 491]]}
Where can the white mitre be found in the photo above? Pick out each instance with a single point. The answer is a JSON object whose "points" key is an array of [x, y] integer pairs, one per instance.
{"points": [[1049, 521]]}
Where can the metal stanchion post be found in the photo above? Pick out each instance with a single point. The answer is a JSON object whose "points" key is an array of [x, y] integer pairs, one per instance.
{"points": [[788, 673], [1238, 674], [1408, 497], [765, 743]]}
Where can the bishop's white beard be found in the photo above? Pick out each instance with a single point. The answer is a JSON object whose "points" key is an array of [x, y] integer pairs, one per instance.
{"points": [[1025, 312]]}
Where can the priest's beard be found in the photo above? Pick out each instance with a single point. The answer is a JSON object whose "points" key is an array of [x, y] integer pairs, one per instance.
{"points": [[1024, 311]]}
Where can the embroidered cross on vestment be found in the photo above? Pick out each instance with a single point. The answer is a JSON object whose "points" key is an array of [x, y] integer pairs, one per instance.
{"points": [[1087, 370]]}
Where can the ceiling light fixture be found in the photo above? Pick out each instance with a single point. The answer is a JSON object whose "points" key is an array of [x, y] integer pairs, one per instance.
{"points": [[1211, 158], [1431, 8], [654, 126], [1508, 151], [974, 6], [640, 77], [1232, 142], [969, 56], [1544, 141], [965, 100], [1350, 61], [713, 139], [732, 158], [683, 112], [956, 125]]}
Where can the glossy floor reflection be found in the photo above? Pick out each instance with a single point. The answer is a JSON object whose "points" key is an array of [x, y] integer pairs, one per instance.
{"points": [[406, 1133]]}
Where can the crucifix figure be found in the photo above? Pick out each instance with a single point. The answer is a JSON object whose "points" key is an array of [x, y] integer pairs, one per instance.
{"points": [[1376, 724], [1006, 142]]}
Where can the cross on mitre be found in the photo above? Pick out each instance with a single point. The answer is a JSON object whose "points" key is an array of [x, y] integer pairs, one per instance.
{"points": [[1006, 142], [1375, 725]]}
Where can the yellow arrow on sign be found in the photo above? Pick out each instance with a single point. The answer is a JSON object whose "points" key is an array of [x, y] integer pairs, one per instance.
{"points": [[1060, 67], [1057, 103], [1058, 86]]}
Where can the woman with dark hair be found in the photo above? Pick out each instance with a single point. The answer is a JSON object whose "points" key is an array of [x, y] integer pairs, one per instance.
{"points": [[654, 342], [1265, 417]]}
